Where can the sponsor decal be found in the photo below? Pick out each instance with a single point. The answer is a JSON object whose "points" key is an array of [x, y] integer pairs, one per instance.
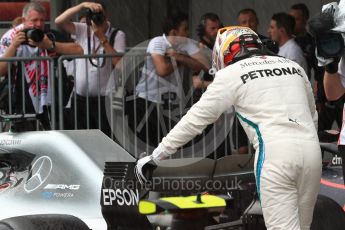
{"points": [[10, 142], [262, 73], [38, 174], [62, 186], [61, 195], [47, 195], [255, 63], [262, 61], [337, 160], [121, 197]]}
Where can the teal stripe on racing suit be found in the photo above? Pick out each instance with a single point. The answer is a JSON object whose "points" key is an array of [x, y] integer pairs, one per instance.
{"points": [[261, 156]]}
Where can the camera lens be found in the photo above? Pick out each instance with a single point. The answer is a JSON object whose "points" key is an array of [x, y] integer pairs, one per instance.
{"points": [[330, 45], [97, 17], [36, 35]]}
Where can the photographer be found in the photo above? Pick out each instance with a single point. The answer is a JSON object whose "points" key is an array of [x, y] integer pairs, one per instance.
{"points": [[29, 40], [96, 37], [330, 53], [334, 83]]}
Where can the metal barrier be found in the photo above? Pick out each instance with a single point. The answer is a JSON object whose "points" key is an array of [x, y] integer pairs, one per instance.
{"points": [[72, 58], [18, 104], [121, 106]]}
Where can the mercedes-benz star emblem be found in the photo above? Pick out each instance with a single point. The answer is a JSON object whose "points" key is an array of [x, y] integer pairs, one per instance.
{"points": [[38, 174]]}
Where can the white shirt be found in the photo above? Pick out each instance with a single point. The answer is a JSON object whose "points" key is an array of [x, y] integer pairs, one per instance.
{"points": [[96, 80], [292, 51], [151, 86]]}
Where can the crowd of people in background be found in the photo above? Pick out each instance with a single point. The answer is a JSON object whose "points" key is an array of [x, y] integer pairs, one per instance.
{"points": [[159, 87]]}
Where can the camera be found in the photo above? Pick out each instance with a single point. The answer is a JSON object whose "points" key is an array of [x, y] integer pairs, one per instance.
{"points": [[270, 45], [97, 17], [34, 34], [330, 45]]}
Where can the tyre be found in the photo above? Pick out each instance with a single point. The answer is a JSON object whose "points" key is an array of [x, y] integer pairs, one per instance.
{"points": [[43, 222], [328, 214]]}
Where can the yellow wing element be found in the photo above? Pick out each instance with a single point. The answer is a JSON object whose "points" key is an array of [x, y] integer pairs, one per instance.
{"points": [[172, 204]]}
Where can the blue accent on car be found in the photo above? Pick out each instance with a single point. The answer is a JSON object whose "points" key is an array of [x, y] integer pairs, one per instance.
{"points": [[47, 195]]}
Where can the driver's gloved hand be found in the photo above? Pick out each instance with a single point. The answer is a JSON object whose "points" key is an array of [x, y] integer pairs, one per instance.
{"points": [[142, 168], [147, 164]]}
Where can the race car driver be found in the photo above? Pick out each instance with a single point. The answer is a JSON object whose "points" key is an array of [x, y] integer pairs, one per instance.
{"points": [[274, 102]]}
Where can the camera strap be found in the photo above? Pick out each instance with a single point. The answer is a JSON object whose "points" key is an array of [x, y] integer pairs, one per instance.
{"points": [[95, 50], [113, 35]]}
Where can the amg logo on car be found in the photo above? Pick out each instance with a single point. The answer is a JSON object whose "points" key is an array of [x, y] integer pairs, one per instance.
{"points": [[62, 186], [122, 197]]}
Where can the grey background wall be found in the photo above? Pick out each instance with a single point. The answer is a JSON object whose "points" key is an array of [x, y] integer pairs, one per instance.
{"points": [[142, 19], [228, 9]]}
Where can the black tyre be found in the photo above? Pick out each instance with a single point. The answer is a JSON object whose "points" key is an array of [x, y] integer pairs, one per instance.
{"points": [[43, 222], [328, 215]]}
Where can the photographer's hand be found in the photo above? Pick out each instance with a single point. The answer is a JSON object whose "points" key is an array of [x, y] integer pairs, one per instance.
{"points": [[94, 7], [99, 31], [46, 43], [173, 53], [64, 20], [196, 62], [332, 67], [18, 39]]}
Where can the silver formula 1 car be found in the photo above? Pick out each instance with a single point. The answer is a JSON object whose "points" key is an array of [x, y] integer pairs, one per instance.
{"points": [[81, 179]]}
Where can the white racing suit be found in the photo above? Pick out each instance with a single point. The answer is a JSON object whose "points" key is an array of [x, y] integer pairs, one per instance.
{"points": [[274, 101]]}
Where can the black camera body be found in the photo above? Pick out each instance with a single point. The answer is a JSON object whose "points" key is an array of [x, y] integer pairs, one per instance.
{"points": [[34, 34], [270, 45], [330, 45], [97, 17]]}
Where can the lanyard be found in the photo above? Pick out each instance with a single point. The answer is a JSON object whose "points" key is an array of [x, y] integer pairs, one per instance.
{"points": [[95, 50]]}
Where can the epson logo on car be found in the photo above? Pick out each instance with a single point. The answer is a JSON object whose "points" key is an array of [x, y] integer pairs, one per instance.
{"points": [[62, 186], [122, 197]]}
